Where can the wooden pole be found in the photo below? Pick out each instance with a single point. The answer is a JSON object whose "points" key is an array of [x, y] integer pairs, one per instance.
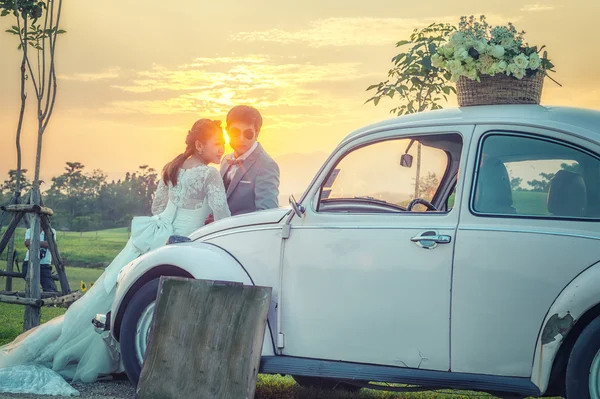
{"points": [[205, 341], [32, 282], [10, 230], [56, 258], [15, 300], [10, 258]]}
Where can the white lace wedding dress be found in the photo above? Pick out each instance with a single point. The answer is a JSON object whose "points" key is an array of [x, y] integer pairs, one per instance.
{"points": [[67, 346]]}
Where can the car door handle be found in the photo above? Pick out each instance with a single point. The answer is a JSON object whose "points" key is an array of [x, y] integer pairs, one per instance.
{"points": [[430, 239]]}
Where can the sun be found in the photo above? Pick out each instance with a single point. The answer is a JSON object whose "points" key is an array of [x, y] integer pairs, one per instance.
{"points": [[226, 136]]}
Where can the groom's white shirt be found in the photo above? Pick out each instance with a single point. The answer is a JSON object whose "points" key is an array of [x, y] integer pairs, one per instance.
{"points": [[241, 158]]}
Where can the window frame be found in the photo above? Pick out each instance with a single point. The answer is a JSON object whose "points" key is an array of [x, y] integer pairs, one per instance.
{"points": [[528, 135], [317, 198]]}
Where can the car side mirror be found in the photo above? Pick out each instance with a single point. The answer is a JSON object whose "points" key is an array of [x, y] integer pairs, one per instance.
{"points": [[406, 160], [298, 209]]}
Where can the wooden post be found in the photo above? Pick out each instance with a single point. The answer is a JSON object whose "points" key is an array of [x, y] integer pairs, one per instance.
{"points": [[10, 258], [32, 282], [205, 340], [56, 258]]}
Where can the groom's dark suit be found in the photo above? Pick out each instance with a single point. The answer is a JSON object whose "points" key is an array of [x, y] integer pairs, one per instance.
{"points": [[255, 185]]}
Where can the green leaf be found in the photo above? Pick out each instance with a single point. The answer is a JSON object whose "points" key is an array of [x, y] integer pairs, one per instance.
{"points": [[426, 62], [372, 87], [376, 100], [402, 43], [446, 90], [61, 31]]}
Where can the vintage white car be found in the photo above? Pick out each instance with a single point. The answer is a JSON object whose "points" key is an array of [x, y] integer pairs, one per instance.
{"points": [[458, 248]]}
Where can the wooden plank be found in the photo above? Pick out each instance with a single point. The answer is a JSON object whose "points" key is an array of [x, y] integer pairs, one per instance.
{"points": [[10, 230], [28, 208], [10, 259], [15, 300], [205, 341], [56, 258], [32, 282], [21, 294], [62, 300], [8, 274]]}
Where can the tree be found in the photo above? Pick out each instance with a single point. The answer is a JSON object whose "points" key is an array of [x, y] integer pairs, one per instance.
{"points": [[515, 183], [428, 185], [419, 85], [40, 36], [16, 181]]}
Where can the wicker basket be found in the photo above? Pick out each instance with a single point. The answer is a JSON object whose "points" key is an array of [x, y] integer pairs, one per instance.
{"points": [[499, 89]]}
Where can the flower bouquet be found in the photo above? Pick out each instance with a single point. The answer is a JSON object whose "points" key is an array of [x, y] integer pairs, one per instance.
{"points": [[492, 65]]}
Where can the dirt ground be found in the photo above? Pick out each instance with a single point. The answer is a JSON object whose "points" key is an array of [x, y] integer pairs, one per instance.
{"points": [[98, 390]]}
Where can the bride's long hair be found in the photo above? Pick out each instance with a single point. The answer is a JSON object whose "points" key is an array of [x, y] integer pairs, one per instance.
{"points": [[201, 131]]}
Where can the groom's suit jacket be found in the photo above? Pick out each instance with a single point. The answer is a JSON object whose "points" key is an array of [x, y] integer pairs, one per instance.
{"points": [[255, 185]]}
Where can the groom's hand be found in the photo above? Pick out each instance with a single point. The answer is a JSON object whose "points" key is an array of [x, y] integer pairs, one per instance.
{"points": [[209, 219]]}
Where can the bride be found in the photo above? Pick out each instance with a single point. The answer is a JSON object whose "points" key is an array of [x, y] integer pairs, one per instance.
{"points": [[189, 190]]}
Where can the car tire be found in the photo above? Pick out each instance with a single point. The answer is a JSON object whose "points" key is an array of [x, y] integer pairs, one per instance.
{"points": [[136, 308], [324, 383], [584, 364]]}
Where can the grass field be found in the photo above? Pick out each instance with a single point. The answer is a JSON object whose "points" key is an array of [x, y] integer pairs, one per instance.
{"points": [[89, 249]]}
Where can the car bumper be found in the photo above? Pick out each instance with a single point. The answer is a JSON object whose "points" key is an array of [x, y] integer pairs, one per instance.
{"points": [[101, 325]]}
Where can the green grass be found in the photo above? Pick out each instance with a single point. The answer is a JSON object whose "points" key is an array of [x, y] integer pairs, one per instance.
{"points": [[11, 316], [89, 249], [530, 202]]}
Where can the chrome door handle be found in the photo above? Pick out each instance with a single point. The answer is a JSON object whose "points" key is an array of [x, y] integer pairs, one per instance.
{"points": [[430, 239]]}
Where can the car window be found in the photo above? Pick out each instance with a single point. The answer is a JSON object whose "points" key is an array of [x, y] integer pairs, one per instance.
{"points": [[386, 176], [529, 176]]}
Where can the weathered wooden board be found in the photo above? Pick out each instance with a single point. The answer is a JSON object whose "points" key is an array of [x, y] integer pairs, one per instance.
{"points": [[205, 340]]}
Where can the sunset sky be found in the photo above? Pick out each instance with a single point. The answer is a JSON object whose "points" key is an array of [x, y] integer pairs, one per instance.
{"points": [[134, 76]]}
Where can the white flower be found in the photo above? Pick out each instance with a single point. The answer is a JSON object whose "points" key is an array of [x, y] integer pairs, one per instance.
{"points": [[472, 74], [480, 46], [461, 53], [501, 66], [469, 42], [455, 67], [511, 69], [437, 61], [457, 39], [521, 61], [519, 73], [497, 51], [454, 77], [485, 63], [507, 42], [446, 50], [534, 61]]}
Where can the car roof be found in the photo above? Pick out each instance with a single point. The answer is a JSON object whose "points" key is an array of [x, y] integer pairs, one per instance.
{"points": [[584, 122]]}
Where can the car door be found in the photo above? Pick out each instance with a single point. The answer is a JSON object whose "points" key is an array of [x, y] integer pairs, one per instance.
{"points": [[359, 281], [528, 226]]}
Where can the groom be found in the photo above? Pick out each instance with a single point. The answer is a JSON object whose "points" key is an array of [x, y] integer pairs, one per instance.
{"points": [[250, 175]]}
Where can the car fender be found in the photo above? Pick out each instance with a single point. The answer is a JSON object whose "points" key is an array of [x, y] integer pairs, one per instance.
{"points": [[579, 296], [196, 259]]}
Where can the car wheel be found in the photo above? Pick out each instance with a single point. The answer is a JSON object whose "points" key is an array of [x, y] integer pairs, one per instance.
{"points": [[324, 383], [583, 368], [135, 328]]}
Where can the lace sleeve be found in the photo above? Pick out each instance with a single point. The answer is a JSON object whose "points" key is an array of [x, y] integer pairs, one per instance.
{"points": [[215, 193], [161, 197]]}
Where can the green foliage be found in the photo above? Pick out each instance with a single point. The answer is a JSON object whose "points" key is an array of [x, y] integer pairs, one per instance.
{"points": [[8, 187], [86, 201], [30, 28], [413, 79]]}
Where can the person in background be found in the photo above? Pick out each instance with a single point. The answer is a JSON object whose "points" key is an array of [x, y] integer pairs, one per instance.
{"points": [[48, 284]]}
